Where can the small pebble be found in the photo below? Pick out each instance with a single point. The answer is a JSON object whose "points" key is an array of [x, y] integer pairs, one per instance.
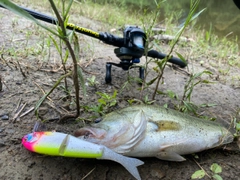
{"points": [[10, 131], [5, 117], [2, 143]]}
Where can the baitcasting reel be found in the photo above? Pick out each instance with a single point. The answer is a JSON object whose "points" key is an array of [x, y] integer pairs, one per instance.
{"points": [[134, 40]]}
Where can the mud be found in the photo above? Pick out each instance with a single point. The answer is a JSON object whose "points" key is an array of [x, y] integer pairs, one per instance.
{"points": [[27, 70]]}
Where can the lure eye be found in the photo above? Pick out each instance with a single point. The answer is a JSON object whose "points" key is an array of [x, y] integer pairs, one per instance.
{"points": [[31, 137], [98, 120]]}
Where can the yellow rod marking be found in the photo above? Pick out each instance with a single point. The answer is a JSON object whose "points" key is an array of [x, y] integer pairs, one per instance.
{"points": [[83, 29]]}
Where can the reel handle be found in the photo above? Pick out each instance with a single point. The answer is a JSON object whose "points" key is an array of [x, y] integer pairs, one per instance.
{"points": [[174, 60]]}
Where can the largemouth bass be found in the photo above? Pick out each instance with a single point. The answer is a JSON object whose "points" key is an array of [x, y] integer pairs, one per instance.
{"points": [[152, 131]]}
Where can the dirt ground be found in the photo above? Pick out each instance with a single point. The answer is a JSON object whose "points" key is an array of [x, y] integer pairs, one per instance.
{"points": [[20, 46]]}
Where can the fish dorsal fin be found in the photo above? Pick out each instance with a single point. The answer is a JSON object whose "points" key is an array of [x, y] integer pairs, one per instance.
{"points": [[139, 126]]}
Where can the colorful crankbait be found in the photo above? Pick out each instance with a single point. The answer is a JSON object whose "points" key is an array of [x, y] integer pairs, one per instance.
{"points": [[60, 144]]}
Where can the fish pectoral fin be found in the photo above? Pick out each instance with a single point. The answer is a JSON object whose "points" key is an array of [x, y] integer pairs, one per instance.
{"points": [[166, 153], [170, 156]]}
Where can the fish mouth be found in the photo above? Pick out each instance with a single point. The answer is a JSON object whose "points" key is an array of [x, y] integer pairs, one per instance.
{"points": [[88, 133], [226, 138]]}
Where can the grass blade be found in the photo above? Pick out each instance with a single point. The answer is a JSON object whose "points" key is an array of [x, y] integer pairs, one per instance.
{"points": [[19, 11]]}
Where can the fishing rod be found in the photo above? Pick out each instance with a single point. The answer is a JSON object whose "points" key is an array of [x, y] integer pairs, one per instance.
{"points": [[130, 46]]}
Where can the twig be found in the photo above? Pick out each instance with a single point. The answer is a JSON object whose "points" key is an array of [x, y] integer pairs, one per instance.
{"points": [[84, 70], [19, 39], [77, 2], [51, 70], [17, 114], [2, 58], [46, 84], [24, 75], [89, 72], [39, 87], [88, 173], [183, 71], [54, 107], [166, 37], [53, 119], [1, 83], [28, 111], [87, 64], [42, 91], [201, 168], [66, 111], [18, 104], [68, 116]]}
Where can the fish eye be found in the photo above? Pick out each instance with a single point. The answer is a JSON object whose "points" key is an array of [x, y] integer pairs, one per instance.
{"points": [[86, 135], [98, 120]]}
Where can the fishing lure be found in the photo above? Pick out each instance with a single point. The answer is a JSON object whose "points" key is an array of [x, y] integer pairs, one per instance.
{"points": [[60, 144]]}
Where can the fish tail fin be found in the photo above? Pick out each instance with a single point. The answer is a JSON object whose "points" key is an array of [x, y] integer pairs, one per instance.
{"points": [[129, 163]]}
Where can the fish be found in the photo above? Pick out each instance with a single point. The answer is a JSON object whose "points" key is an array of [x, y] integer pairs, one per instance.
{"points": [[154, 131], [61, 144]]}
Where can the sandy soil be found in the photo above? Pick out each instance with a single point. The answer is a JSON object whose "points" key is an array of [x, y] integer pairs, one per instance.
{"points": [[42, 69]]}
